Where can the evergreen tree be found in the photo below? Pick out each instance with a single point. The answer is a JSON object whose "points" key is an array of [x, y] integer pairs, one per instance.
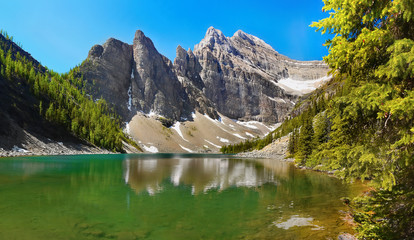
{"points": [[321, 129], [373, 115], [305, 144]]}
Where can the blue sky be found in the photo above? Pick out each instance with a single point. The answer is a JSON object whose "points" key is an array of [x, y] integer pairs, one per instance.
{"points": [[60, 33]]}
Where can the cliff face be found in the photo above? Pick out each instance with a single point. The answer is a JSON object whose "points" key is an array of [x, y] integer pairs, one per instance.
{"points": [[108, 68], [138, 78], [155, 87], [187, 69], [241, 77]]}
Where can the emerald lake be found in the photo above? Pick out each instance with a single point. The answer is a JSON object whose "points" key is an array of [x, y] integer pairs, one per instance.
{"points": [[167, 196]]}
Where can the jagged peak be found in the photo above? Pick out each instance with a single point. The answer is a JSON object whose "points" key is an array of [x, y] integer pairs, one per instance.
{"points": [[113, 42], [141, 40], [240, 33], [211, 31], [253, 40], [179, 48], [139, 34], [212, 36], [181, 53]]}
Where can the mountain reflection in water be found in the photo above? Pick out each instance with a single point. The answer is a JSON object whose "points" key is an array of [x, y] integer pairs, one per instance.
{"points": [[202, 174]]}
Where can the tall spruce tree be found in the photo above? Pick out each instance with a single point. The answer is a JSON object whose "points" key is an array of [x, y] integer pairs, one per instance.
{"points": [[305, 142]]}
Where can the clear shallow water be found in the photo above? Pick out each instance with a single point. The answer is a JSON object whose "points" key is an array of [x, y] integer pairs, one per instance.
{"points": [[165, 196]]}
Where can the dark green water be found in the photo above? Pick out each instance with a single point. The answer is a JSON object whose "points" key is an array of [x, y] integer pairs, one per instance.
{"points": [[166, 196]]}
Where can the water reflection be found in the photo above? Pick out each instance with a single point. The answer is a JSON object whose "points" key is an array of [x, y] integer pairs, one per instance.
{"points": [[202, 174], [96, 195]]}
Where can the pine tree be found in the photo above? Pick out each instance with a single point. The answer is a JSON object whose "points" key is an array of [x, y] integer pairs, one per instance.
{"points": [[305, 144], [373, 116]]}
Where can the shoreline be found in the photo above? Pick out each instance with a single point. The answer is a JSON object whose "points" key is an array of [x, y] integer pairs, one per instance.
{"points": [[52, 149], [277, 151]]}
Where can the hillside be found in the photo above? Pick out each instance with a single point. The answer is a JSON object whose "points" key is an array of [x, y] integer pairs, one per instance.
{"points": [[39, 109]]}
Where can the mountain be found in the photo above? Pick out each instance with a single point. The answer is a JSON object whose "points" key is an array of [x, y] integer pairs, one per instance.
{"points": [[42, 112], [137, 78], [240, 78], [225, 91]]}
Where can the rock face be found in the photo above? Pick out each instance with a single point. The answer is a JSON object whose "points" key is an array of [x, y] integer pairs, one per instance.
{"points": [[188, 70], [155, 87], [138, 78], [239, 77], [107, 69]]}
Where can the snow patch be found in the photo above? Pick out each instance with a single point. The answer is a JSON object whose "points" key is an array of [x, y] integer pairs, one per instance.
{"points": [[253, 125], [17, 149], [193, 115], [213, 120], [223, 140], [188, 150], [127, 129], [306, 63], [238, 135], [278, 100], [217, 146], [132, 73], [129, 104], [303, 86], [176, 127], [250, 124], [152, 113], [150, 149], [249, 134]]}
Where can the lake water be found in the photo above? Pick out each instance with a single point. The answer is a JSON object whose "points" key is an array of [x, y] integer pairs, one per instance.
{"points": [[166, 196]]}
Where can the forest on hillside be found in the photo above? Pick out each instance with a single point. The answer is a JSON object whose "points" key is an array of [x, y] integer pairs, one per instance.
{"points": [[62, 98], [364, 128]]}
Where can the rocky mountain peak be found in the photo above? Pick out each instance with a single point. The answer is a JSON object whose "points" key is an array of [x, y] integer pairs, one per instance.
{"points": [[212, 38], [251, 40], [241, 76], [139, 35], [211, 31], [238, 76], [181, 53]]}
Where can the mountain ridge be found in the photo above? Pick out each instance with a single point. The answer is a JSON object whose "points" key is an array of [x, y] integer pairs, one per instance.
{"points": [[215, 65], [239, 77]]}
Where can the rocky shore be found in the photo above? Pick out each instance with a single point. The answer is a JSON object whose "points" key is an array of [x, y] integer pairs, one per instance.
{"points": [[276, 150], [55, 149], [35, 146]]}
